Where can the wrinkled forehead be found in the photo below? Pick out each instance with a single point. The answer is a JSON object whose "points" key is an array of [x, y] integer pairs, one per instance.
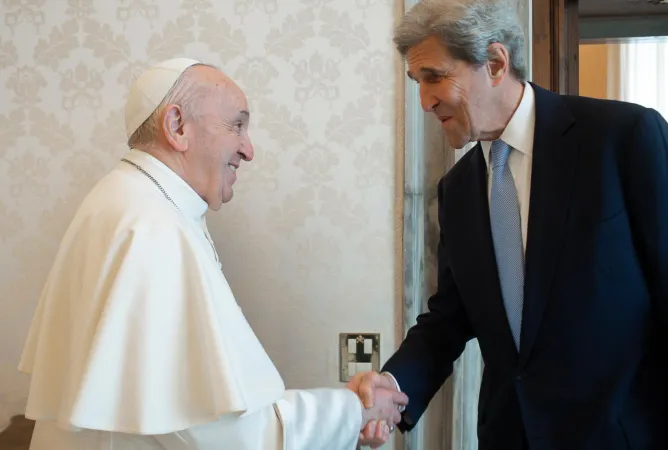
{"points": [[223, 92], [234, 97], [233, 102], [430, 53]]}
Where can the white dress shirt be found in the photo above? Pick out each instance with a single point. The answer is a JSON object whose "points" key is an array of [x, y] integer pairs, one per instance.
{"points": [[519, 136]]}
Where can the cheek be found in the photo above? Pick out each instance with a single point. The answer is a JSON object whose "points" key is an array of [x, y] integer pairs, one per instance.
{"points": [[450, 95], [463, 104], [225, 150], [479, 90]]}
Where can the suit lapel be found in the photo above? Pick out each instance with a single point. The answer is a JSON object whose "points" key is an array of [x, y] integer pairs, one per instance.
{"points": [[554, 155]]}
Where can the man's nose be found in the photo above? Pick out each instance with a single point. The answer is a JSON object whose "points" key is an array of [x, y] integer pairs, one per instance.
{"points": [[247, 152], [429, 102]]}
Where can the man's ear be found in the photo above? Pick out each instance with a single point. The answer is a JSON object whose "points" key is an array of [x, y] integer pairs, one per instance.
{"points": [[498, 63], [173, 128]]}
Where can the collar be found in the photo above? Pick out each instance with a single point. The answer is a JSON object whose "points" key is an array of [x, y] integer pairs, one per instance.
{"points": [[520, 130], [187, 200]]}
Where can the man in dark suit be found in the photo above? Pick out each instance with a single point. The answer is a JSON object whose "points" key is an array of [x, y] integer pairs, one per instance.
{"points": [[553, 245]]}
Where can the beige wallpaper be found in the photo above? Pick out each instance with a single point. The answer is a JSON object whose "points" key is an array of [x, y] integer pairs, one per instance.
{"points": [[308, 242]]}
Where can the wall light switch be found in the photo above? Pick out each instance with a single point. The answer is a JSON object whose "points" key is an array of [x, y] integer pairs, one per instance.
{"points": [[363, 367], [352, 346], [359, 352], [368, 346], [352, 368]]}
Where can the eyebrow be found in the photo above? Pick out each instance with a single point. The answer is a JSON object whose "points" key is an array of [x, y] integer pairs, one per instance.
{"points": [[243, 114], [428, 71]]}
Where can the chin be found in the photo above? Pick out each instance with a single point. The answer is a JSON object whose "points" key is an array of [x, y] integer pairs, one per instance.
{"points": [[216, 203], [226, 198], [458, 141]]}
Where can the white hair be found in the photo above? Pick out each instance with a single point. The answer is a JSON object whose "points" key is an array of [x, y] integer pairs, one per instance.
{"points": [[466, 28]]}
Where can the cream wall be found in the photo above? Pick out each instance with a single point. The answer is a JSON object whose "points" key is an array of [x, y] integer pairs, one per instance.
{"points": [[308, 242]]}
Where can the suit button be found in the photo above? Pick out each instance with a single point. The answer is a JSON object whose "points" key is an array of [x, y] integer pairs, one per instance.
{"points": [[520, 377]]}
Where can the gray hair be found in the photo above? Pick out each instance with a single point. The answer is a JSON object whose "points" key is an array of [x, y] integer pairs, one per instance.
{"points": [[466, 28], [185, 92]]}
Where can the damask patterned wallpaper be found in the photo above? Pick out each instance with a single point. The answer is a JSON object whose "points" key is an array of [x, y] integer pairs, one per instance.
{"points": [[308, 241]]}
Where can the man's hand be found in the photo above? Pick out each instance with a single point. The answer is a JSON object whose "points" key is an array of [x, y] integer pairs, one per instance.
{"points": [[382, 403]]}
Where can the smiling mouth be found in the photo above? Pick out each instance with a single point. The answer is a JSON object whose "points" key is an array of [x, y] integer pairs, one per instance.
{"points": [[444, 119], [233, 168]]}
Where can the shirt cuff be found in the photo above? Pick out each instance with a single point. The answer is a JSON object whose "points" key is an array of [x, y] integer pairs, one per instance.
{"points": [[396, 383], [388, 374]]}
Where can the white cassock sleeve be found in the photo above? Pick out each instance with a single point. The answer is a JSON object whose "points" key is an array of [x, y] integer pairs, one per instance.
{"points": [[328, 419], [314, 419]]}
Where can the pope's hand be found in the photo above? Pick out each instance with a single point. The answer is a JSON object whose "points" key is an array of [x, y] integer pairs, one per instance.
{"points": [[381, 401], [364, 384], [375, 434]]}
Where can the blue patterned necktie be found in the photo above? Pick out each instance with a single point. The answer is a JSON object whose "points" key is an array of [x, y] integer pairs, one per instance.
{"points": [[507, 236]]}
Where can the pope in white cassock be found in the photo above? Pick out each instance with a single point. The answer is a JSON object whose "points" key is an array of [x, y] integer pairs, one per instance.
{"points": [[137, 342]]}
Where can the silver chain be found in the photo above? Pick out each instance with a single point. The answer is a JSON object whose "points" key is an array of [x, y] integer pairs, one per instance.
{"points": [[152, 179], [141, 169]]}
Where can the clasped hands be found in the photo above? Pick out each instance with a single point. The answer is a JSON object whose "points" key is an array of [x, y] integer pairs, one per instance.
{"points": [[381, 403]]}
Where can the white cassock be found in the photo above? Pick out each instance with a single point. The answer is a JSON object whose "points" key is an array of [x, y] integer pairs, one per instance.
{"points": [[137, 342]]}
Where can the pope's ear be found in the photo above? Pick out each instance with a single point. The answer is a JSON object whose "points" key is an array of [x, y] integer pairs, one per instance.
{"points": [[173, 127]]}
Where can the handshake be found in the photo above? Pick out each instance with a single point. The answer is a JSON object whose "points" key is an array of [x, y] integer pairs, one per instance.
{"points": [[382, 406]]}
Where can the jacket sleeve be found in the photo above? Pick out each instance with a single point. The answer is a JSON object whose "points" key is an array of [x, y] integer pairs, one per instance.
{"points": [[644, 168], [425, 358]]}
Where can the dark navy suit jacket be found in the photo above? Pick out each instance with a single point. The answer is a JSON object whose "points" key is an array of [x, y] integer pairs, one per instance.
{"points": [[591, 371]]}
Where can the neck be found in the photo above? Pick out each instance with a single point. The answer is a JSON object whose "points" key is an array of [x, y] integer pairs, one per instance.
{"points": [[507, 102], [169, 158]]}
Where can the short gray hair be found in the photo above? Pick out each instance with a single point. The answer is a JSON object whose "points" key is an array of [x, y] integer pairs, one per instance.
{"points": [[467, 28], [185, 92]]}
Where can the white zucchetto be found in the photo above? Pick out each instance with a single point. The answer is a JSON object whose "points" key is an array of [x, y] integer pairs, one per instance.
{"points": [[150, 89]]}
